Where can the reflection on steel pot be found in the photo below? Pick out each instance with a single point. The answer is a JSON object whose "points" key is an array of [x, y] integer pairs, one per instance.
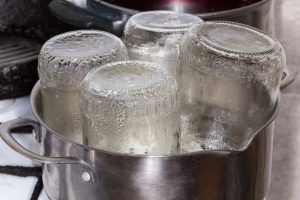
{"points": [[112, 15], [74, 171]]}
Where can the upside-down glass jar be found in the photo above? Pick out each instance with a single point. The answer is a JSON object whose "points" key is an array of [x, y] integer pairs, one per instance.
{"points": [[230, 84], [155, 36], [131, 107], [64, 61]]}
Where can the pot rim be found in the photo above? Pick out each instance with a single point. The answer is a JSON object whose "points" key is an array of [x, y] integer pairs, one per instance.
{"points": [[206, 16], [33, 102]]}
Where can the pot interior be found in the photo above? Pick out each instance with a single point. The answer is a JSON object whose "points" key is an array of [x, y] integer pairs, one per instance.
{"points": [[188, 6], [238, 143]]}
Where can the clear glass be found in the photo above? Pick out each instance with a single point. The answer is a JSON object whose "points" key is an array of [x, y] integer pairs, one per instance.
{"points": [[155, 36], [63, 63], [230, 76], [131, 107]]}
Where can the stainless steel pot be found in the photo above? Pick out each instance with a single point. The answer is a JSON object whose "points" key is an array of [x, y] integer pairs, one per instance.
{"points": [[73, 171], [109, 17]]}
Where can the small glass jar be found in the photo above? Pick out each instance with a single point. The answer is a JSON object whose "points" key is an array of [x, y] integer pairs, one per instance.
{"points": [[64, 61], [131, 107], [230, 84], [155, 36]]}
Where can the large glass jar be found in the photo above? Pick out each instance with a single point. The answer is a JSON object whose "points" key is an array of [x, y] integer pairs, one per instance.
{"points": [[155, 36], [131, 107], [230, 84], [63, 63]]}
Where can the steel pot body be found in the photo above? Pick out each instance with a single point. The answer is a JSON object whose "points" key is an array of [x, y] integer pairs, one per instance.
{"points": [[259, 15], [105, 16], [74, 171]]}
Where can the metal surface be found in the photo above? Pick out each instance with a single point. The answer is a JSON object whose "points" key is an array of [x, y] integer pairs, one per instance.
{"points": [[287, 78], [10, 141], [286, 160], [112, 18], [209, 175]]}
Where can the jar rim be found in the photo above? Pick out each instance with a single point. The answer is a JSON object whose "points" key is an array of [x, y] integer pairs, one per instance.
{"points": [[168, 22]]}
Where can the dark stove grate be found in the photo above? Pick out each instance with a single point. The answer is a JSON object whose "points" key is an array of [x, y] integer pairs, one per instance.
{"points": [[26, 172], [18, 65]]}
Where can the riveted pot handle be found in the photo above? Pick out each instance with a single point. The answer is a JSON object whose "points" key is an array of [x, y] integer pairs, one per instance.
{"points": [[287, 78], [5, 134]]}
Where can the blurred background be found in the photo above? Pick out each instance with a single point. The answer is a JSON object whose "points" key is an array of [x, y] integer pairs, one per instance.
{"points": [[286, 155]]}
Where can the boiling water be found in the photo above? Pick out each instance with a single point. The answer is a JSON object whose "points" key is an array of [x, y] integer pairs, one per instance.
{"points": [[131, 108], [212, 128], [159, 136], [223, 114]]}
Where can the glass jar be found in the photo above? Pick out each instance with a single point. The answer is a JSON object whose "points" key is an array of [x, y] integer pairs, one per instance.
{"points": [[64, 61], [131, 107], [230, 84], [155, 36]]}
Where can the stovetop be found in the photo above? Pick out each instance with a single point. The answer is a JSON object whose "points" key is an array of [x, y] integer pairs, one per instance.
{"points": [[20, 178]]}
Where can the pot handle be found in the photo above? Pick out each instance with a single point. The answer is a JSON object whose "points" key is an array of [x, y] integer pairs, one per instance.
{"points": [[82, 17], [287, 78], [5, 134]]}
